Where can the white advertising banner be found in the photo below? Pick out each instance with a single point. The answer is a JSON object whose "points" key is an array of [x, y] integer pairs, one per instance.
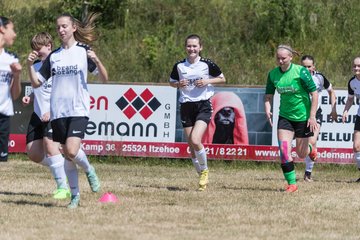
{"points": [[132, 113], [140, 120], [332, 134]]}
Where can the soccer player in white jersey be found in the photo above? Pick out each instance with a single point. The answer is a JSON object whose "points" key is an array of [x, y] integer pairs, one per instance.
{"points": [[354, 91], [39, 144], [68, 67], [10, 85], [321, 82], [194, 77]]}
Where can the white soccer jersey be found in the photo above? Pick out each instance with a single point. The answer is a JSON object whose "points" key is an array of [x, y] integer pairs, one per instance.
{"points": [[321, 83], [6, 76], [42, 94], [68, 69], [201, 69], [354, 89]]}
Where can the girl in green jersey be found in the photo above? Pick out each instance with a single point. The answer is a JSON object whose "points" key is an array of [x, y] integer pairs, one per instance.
{"points": [[297, 111]]}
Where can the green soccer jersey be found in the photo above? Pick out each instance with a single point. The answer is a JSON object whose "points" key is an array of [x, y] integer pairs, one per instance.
{"points": [[294, 87]]}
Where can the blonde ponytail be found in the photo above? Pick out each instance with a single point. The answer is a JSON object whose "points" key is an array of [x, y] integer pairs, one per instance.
{"points": [[289, 48]]}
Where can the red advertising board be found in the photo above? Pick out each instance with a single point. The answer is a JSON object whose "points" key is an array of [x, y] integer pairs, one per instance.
{"points": [[181, 150]]}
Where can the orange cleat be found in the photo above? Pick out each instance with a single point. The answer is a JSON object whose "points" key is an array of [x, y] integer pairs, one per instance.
{"points": [[291, 188]]}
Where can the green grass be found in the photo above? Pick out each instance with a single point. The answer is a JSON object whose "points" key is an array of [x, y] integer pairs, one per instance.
{"points": [[19, 4], [140, 40], [158, 200]]}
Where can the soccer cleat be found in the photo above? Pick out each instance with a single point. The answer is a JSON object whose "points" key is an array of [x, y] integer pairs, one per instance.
{"points": [[93, 180], [291, 188], [61, 193], [358, 180], [202, 188], [204, 179], [307, 177], [75, 202], [313, 153]]}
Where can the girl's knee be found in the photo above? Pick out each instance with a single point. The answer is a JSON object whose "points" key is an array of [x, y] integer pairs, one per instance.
{"points": [[302, 154], [35, 157], [71, 153], [52, 151], [356, 148], [197, 146], [195, 142]]}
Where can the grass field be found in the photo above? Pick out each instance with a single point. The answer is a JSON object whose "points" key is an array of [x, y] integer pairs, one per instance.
{"points": [[245, 200]]}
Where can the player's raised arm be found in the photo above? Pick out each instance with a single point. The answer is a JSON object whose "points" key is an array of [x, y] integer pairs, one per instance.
{"points": [[35, 82], [15, 83], [103, 75]]}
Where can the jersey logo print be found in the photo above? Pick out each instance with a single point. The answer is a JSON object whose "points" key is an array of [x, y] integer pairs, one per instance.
{"points": [[66, 70], [307, 133], [5, 77]]}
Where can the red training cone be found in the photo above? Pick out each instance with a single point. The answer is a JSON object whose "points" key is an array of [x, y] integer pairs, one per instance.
{"points": [[108, 197]]}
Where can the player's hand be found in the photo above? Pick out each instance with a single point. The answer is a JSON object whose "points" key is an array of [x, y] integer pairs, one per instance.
{"points": [[269, 118], [183, 83], [344, 116], [334, 115], [312, 124], [15, 68], [45, 117], [91, 54], [32, 57], [201, 82], [26, 100]]}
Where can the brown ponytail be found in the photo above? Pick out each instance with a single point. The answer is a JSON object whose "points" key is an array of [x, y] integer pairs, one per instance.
{"points": [[85, 30]]}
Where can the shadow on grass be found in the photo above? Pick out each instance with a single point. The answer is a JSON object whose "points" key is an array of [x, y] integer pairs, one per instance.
{"points": [[162, 187], [21, 193], [314, 180], [331, 181], [269, 179], [355, 181], [23, 202], [253, 189]]}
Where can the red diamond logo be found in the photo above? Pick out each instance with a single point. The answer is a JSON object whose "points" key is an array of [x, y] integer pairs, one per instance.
{"points": [[146, 112], [130, 94], [131, 103], [129, 112], [146, 95]]}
